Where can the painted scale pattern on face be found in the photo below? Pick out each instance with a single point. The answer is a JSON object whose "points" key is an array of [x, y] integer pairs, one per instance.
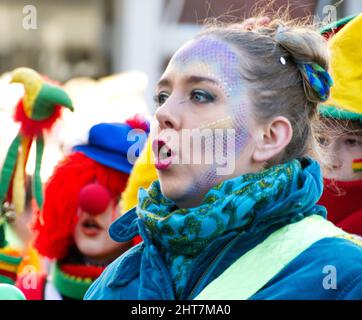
{"points": [[213, 58]]}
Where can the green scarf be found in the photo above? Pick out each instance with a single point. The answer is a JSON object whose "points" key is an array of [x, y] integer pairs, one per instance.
{"points": [[251, 202]]}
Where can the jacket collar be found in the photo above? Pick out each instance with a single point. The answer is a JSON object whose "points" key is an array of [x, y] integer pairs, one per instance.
{"points": [[126, 227]]}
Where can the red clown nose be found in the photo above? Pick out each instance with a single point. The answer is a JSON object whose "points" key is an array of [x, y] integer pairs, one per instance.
{"points": [[94, 198]]}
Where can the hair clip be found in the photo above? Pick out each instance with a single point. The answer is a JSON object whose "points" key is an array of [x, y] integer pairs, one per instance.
{"points": [[318, 78], [281, 29], [279, 33]]}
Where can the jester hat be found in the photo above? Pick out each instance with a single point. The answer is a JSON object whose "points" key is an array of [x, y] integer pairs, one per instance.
{"points": [[36, 112], [345, 45]]}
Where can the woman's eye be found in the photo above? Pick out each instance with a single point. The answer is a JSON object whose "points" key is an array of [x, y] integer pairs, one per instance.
{"points": [[201, 96], [352, 142], [161, 98], [323, 141]]}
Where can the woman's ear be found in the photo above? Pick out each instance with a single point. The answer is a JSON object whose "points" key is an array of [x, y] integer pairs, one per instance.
{"points": [[272, 139]]}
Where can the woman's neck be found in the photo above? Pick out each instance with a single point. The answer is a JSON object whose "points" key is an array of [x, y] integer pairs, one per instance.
{"points": [[189, 200]]}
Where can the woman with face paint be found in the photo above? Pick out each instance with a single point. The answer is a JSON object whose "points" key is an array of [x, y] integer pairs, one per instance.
{"points": [[341, 136], [233, 214], [81, 201]]}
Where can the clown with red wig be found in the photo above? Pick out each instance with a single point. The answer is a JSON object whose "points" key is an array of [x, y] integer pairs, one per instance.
{"points": [[81, 200]]}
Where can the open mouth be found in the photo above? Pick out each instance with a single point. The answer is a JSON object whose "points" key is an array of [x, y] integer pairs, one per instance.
{"points": [[163, 155], [90, 227]]}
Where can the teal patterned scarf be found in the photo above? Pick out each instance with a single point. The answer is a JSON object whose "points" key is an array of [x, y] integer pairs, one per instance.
{"points": [[250, 202]]}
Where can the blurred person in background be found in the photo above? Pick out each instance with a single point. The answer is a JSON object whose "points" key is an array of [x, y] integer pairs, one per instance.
{"points": [[36, 111], [17, 230], [142, 175], [80, 202], [341, 130]]}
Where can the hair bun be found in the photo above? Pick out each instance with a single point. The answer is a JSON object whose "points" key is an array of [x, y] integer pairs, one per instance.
{"points": [[308, 51]]}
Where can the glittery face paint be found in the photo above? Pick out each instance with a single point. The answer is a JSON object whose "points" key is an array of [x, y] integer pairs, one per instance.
{"points": [[212, 58], [215, 59]]}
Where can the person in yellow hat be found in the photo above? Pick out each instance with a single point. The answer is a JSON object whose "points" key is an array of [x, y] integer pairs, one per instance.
{"points": [[142, 175], [341, 118]]}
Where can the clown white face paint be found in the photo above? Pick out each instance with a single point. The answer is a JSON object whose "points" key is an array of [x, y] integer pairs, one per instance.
{"points": [[201, 89]]}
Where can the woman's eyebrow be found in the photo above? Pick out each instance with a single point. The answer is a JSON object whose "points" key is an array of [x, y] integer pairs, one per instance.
{"points": [[198, 79], [164, 83]]}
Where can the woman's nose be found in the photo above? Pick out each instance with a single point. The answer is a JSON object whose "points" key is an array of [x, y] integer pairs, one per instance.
{"points": [[336, 166], [336, 162], [167, 116]]}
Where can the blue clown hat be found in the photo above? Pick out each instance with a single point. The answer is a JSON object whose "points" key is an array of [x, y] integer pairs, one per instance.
{"points": [[116, 145]]}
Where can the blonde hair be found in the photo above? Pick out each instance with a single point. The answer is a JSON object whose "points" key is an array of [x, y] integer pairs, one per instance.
{"points": [[276, 85]]}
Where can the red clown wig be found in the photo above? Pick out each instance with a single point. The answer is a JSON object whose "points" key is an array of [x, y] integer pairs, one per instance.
{"points": [[54, 226]]}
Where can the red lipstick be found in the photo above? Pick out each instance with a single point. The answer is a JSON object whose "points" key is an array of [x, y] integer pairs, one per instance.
{"points": [[163, 154]]}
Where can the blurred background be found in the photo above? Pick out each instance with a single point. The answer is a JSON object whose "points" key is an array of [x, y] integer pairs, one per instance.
{"points": [[110, 53]]}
